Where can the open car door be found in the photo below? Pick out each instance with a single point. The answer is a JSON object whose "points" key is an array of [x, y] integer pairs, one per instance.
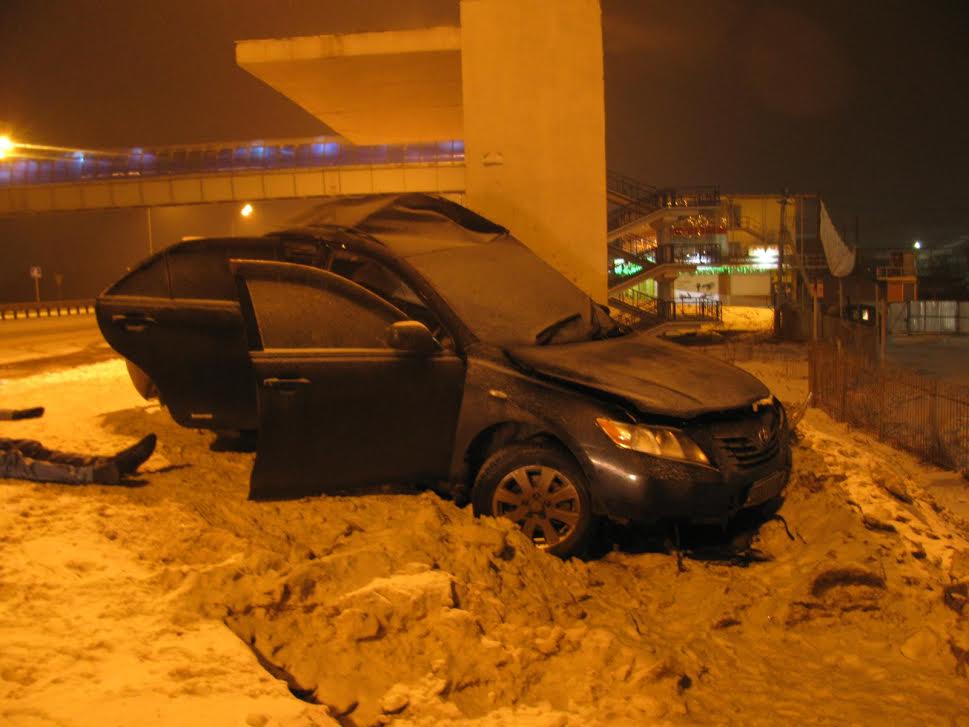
{"points": [[338, 408]]}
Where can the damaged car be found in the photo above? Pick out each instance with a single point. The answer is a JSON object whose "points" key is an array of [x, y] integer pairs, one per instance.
{"points": [[405, 339]]}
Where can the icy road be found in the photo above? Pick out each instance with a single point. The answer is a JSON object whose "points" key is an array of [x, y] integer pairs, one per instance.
{"points": [[176, 601]]}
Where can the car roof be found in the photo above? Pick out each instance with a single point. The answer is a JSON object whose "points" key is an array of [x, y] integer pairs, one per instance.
{"points": [[407, 224]]}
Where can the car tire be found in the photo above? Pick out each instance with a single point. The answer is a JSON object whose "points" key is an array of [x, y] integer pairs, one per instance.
{"points": [[543, 491]]}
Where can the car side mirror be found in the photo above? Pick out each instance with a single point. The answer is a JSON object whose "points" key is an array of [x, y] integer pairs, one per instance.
{"points": [[411, 336]]}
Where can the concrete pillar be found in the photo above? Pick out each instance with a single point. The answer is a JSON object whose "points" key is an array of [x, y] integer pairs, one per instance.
{"points": [[534, 128], [665, 289], [664, 239]]}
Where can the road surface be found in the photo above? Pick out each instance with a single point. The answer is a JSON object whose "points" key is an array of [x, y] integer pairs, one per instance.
{"points": [[29, 346]]}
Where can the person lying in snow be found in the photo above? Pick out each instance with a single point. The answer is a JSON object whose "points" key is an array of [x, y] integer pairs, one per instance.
{"points": [[26, 459]]}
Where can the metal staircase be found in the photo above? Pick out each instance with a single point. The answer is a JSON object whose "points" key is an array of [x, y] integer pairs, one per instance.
{"points": [[660, 202], [622, 190], [638, 205], [641, 310], [636, 309]]}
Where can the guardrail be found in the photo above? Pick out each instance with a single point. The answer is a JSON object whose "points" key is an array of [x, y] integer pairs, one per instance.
{"points": [[45, 309]]}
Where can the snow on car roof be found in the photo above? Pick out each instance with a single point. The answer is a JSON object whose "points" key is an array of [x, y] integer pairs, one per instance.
{"points": [[409, 224]]}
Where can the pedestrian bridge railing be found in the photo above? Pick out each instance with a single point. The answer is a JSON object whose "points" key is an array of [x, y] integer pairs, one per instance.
{"points": [[247, 156], [227, 172]]}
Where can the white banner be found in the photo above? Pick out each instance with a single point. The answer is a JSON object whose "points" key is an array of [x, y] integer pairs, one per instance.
{"points": [[840, 257]]}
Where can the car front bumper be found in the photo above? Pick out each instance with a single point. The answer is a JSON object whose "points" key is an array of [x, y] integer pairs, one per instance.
{"points": [[633, 486]]}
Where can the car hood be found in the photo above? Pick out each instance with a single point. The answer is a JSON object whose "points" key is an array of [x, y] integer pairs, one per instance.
{"points": [[655, 376]]}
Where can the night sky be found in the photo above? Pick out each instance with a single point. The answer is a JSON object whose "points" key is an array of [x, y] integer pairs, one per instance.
{"points": [[864, 102]]}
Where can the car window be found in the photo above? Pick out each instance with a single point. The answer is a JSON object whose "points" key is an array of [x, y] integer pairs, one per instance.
{"points": [[150, 280], [506, 294], [202, 271], [303, 252], [388, 285], [320, 315]]}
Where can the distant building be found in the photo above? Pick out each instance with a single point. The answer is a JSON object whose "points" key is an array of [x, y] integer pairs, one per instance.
{"points": [[704, 245]]}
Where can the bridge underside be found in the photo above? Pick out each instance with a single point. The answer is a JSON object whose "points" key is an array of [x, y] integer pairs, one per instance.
{"points": [[371, 88]]}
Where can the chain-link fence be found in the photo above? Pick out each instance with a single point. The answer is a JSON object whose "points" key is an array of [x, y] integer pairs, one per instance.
{"points": [[917, 413], [788, 360]]}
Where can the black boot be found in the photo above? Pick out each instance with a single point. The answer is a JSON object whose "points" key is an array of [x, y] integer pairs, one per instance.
{"points": [[128, 460]]}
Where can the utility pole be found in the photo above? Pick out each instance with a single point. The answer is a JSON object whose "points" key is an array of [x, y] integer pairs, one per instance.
{"points": [[36, 273], [814, 315], [780, 297], [883, 329], [151, 242], [878, 321]]}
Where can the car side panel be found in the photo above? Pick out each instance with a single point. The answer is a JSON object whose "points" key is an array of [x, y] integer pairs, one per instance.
{"points": [[195, 351], [351, 419], [496, 393]]}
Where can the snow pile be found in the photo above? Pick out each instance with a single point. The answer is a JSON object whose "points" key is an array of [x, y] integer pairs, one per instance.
{"points": [[178, 601], [408, 605], [89, 638]]}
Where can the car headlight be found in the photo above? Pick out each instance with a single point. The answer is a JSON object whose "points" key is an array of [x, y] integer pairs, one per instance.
{"points": [[657, 441]]}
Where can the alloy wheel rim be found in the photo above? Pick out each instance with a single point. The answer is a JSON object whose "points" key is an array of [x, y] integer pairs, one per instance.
{"points": [[542, 501]]}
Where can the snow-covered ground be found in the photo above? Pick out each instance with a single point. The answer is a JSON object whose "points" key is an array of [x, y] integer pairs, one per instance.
{"points": [[178, 601], [747, 318]]}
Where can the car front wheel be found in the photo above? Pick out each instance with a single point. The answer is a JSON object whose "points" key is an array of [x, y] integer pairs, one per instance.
{"points": [[542, 490]]}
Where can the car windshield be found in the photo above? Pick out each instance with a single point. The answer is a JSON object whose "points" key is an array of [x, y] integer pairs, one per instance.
{"points": [[507, 295]]}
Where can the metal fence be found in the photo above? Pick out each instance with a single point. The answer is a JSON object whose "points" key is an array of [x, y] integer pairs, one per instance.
{"points": [[928, 316], [920, 414], [692, 309], [858, 337], [789, 359]]}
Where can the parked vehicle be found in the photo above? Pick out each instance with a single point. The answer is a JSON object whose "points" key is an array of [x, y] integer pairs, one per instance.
{"points": [[398, 339]]}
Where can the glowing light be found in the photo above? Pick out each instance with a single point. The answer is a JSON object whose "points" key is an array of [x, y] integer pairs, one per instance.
{"points": [[734, 269], [6, 146], [917, 245], [622, 267], [763, 255], [246, 210]]}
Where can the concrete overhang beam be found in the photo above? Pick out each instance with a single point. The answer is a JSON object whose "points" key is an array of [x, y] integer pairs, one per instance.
{"points": [[372, 88]]}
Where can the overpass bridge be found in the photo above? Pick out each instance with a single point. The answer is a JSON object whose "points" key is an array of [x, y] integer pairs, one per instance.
{"points": [[250, 171], [226, 172]]}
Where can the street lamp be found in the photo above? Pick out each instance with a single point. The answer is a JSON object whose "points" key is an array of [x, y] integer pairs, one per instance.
{"points": [[246, 210], [6, 146], [917, 245]]}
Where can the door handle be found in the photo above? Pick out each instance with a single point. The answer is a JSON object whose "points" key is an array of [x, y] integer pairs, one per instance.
{"points": [[133, 322], [285, 384]]}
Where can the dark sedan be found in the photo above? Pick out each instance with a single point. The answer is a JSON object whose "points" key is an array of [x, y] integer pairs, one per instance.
{"points": [[405, 339]]}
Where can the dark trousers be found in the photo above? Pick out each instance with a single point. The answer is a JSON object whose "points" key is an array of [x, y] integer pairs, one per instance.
{"points": [[27, 459]]}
